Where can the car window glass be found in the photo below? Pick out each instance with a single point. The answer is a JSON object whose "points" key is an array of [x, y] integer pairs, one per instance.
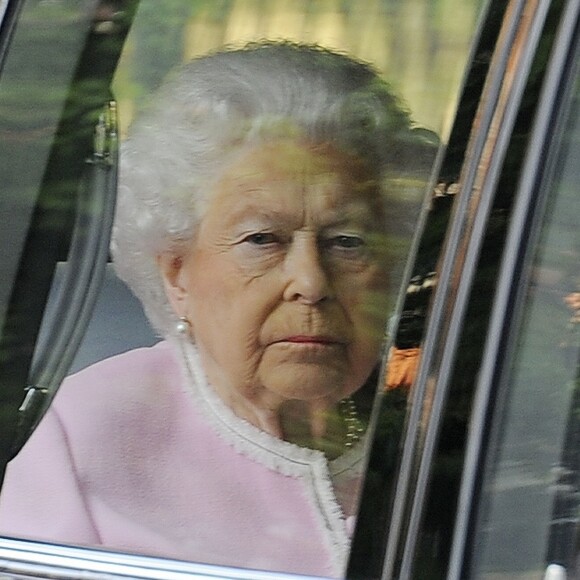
{"points": [[3, 6], [426, 78], [421, 49], [30, 117]]}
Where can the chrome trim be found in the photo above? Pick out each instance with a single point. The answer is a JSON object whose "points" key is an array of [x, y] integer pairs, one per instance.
{"points": [[83, 273], [31, 559]]}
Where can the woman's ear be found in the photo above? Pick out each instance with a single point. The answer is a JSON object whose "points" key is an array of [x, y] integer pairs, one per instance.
{"points": [[170, 267]]}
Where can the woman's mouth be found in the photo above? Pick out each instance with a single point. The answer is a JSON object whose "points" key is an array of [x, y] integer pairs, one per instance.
{"points": [[311, 339]]}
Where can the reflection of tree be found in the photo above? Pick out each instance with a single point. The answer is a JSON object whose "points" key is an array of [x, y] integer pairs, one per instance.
{"points": [[420, 45], [159, 43]]}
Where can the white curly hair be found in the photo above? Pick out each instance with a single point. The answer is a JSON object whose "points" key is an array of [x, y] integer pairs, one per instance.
{"points": [[214, 106]]}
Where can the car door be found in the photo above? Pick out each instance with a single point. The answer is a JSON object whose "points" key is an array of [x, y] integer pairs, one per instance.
{"points": [[401, 531], [486, 483]]}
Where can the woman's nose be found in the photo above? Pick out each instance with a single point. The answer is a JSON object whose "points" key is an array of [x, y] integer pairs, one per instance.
{"points": [[307, 279]]}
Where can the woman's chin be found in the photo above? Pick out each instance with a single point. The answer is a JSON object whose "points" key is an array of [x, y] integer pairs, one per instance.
{"points": [[307, 381]]}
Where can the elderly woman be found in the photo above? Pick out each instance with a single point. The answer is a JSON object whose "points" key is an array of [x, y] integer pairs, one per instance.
{"points": [[251, 224]]}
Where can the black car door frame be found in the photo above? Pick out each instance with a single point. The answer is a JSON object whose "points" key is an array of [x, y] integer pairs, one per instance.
{"points": [[72, 212]]}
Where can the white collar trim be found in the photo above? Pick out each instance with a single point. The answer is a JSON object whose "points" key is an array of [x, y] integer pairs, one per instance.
{"points": [[309, 465]]}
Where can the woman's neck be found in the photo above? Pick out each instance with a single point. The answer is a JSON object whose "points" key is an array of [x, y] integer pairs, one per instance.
{"points": [[332, 429]]}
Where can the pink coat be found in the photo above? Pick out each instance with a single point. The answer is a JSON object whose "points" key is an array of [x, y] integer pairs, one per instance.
{"points": [[138, 454]]}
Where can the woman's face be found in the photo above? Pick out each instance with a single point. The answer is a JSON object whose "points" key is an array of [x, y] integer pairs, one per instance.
{"points": [[285, 282]]}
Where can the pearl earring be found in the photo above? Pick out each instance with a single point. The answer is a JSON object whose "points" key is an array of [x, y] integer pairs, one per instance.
{"points": [[182, 326]]}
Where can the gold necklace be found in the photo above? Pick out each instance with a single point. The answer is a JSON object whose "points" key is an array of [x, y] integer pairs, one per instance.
{"points": [[354, 425]]}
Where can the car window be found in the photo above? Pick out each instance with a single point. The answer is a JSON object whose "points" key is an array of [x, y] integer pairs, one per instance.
{"points": [[428, 86], [421, 49]]}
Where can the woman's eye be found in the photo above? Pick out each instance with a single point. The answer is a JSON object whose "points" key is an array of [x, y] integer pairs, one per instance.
{"points": [[261, 239], [346, 249], [349, 242]]}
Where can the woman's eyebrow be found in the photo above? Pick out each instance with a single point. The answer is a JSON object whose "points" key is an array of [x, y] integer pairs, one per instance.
{"points": [[255, 213], [357, 213]]}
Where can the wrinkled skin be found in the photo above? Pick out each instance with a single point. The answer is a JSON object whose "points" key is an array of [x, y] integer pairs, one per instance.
{"points": [[281, 285]]}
